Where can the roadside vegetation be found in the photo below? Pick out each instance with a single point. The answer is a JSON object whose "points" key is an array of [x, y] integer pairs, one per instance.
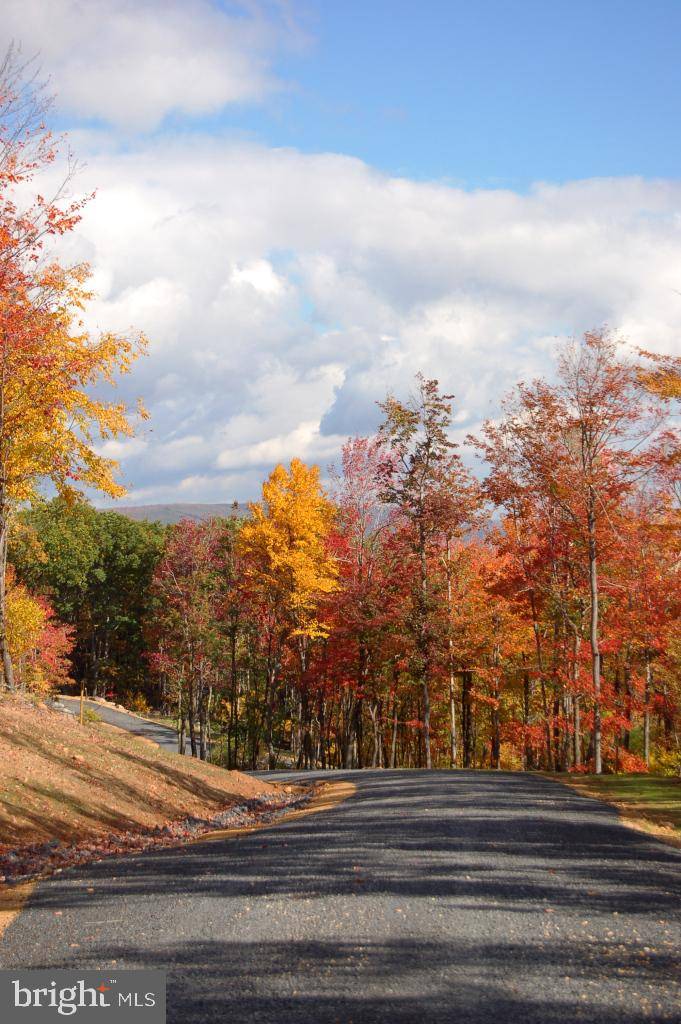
{"points": [[645, 800]]}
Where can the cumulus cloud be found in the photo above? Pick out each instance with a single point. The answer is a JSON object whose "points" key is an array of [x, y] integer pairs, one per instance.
{"points": [[284, 293], [132, 62]]}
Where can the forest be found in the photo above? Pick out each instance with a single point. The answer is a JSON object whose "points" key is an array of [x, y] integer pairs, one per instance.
{"points": [[508, 601], [410, 612]]}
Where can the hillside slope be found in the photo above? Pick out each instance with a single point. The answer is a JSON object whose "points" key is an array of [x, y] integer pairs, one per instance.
{"points": [[173, 513], [63, 781]]}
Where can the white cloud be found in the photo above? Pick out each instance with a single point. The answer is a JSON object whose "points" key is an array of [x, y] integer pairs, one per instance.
{"points": [[259, 274], [132, 62], [284, 293], [122, 449]]}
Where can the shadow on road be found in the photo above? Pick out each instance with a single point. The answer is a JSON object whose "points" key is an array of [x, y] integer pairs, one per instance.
{"points": [[450, 897]]}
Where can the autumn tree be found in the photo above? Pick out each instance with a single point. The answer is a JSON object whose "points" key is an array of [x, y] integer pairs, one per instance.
{"points": [[183, 624], [579, 448], [289, 570], [51, 421], [39, 644], [363, 611], [424, 478]]}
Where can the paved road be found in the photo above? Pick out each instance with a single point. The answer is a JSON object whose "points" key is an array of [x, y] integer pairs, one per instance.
{"points": [[436, 897], [161, 734]]}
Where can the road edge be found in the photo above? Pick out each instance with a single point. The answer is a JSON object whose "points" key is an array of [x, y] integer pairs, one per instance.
{"points": [[640, 824], [12, 900], [330, 795], [116, 707]]}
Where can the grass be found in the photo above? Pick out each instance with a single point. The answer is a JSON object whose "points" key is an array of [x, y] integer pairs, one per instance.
{"points": [[168, 720], [647, 799]]}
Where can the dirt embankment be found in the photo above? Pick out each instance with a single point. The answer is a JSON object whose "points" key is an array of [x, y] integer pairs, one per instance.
{"points": [[63, 781]]}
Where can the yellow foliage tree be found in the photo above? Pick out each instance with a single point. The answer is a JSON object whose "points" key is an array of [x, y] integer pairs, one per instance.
{"points": [[25, 623], [50, 422], [662, 377], [289, 568], [39, 645], [285, 544]]}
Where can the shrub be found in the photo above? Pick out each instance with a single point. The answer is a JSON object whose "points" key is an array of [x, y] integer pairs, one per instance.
{"points": [[667, 762]]}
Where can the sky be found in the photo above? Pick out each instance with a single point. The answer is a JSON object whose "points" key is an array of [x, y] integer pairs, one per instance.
{"points": [[304, 204]]}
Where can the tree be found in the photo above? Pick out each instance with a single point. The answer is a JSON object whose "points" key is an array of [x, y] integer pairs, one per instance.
{"points": [[289, 570], [50, 420], [361, 610], [426, 481], [95, 567], [579, 449], [38, 642], [183, 623]]}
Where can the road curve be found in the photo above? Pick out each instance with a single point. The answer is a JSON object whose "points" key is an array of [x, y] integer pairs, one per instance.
{"points": [[427, 896], [160, 734]]}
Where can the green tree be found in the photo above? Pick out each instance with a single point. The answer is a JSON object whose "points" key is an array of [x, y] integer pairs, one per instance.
{"points": [[96, 568]]}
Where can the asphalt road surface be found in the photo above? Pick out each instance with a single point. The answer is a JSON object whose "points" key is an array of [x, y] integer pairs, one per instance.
{"points": [[161, 734], [425, 897]]}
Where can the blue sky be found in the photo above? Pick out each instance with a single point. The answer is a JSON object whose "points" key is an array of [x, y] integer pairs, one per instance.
{"points": [[487, 94], [304, 204]]}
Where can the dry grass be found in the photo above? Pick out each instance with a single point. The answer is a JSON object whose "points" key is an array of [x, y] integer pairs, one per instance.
{"points": [[61, 780]]}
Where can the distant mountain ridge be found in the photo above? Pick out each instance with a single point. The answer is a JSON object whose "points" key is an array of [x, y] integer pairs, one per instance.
{"points": [[173, 513]]}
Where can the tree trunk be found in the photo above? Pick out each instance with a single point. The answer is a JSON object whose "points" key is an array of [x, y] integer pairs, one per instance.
{"points": [[322, 732], [191, 713], [232, 730], [452, 714], [542, 681], [646, 711], [393, 745], [353, 749], [423, 645], [576, 706], [595, 640], [181, 721], [426, 724], [626, 739], [526, 697], [467, 718], [556, 732], [373, 714], [202, 716], [495, 747], [269, 720], [7, 668], [450, 658]]}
